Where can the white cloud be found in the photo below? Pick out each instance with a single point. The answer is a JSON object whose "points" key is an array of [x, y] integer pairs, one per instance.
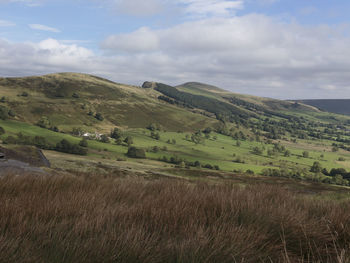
{"points": [[204, 8], [18, 59], [142, 40], [252, 54], [44, 28], [5, 23]]}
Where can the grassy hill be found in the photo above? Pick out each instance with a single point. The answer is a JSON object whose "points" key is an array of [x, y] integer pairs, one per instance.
{"points": [[66, 99], [194, 125], [340, 106]]}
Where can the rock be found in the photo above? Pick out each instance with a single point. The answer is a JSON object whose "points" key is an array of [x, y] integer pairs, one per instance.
{"points": [[2, 156], [26, 154], [13, 167], [149, 85]]}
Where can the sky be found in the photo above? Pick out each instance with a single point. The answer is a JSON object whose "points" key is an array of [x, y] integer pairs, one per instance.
{"points": [[286, 49]]}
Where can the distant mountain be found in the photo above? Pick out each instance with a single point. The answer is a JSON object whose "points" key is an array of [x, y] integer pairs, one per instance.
{"points": [[340, 106]]}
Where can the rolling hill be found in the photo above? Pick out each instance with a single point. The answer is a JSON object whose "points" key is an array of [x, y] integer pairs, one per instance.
{"points": [[192, 125], [69, 100], [340, 106]]}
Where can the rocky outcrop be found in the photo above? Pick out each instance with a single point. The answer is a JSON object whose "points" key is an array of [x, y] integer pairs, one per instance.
{"points": [[148, 85], [27, 154], [14, 167]]}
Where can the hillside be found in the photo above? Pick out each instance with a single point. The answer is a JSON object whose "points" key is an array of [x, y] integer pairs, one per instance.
{"points": [[193, 126], [340, 106], [69, 100]]}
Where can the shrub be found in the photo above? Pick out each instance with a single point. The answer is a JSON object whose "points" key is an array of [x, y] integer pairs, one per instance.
{"points": [[134, 152], [67, 147], [2, 130], [43, 122], [10, 140], [4, 113], [104, 138], [129, 140], [116, 133], [305, 154], [83, 143], [98, 116], [316, 168], [208, 166], [257, 151]]}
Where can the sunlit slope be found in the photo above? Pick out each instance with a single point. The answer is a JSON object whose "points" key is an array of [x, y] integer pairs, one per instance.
{"points": [[241, 99], [66, 99]]}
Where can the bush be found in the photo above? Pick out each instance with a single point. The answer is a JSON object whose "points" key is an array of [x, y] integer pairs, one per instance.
{"points": [[305, 154], [83, 143], [104, 138], [98, 116], [134, 152], [43, 122], [4, 113], [116, 133], [208, 166], [257, 151], [129, 140], [2, 130], [67, 147], [10, 140]]}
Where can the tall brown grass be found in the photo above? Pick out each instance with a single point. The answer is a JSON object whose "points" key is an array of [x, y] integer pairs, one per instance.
{"points": [[98, 219]]}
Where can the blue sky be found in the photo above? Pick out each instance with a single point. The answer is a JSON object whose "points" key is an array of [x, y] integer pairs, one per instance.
{"points": [[274, 48]]}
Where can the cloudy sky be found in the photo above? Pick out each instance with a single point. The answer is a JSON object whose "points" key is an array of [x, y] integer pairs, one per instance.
{"points": [[287, 49]]}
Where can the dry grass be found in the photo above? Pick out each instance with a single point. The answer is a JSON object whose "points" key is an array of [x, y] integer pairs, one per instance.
{"points": [[104, 219]]}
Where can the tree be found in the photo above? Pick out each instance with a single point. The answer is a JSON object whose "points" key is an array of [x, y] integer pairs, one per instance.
{"points": [[155, 135], [67, 147], [99, 116], [335, 149], [116, 133], [257, 151], [197, 139], [4, 113], [134, 152], [104, 138], [316, 168], [83, 143], [129, 140], [43, 122], [287, 153]]}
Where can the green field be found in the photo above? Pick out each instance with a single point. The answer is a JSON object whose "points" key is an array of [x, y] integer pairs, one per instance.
{"points": [[246, 134]]}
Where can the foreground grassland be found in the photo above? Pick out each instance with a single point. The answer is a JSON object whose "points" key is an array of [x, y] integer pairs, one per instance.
{"points": [[86, 218]]}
